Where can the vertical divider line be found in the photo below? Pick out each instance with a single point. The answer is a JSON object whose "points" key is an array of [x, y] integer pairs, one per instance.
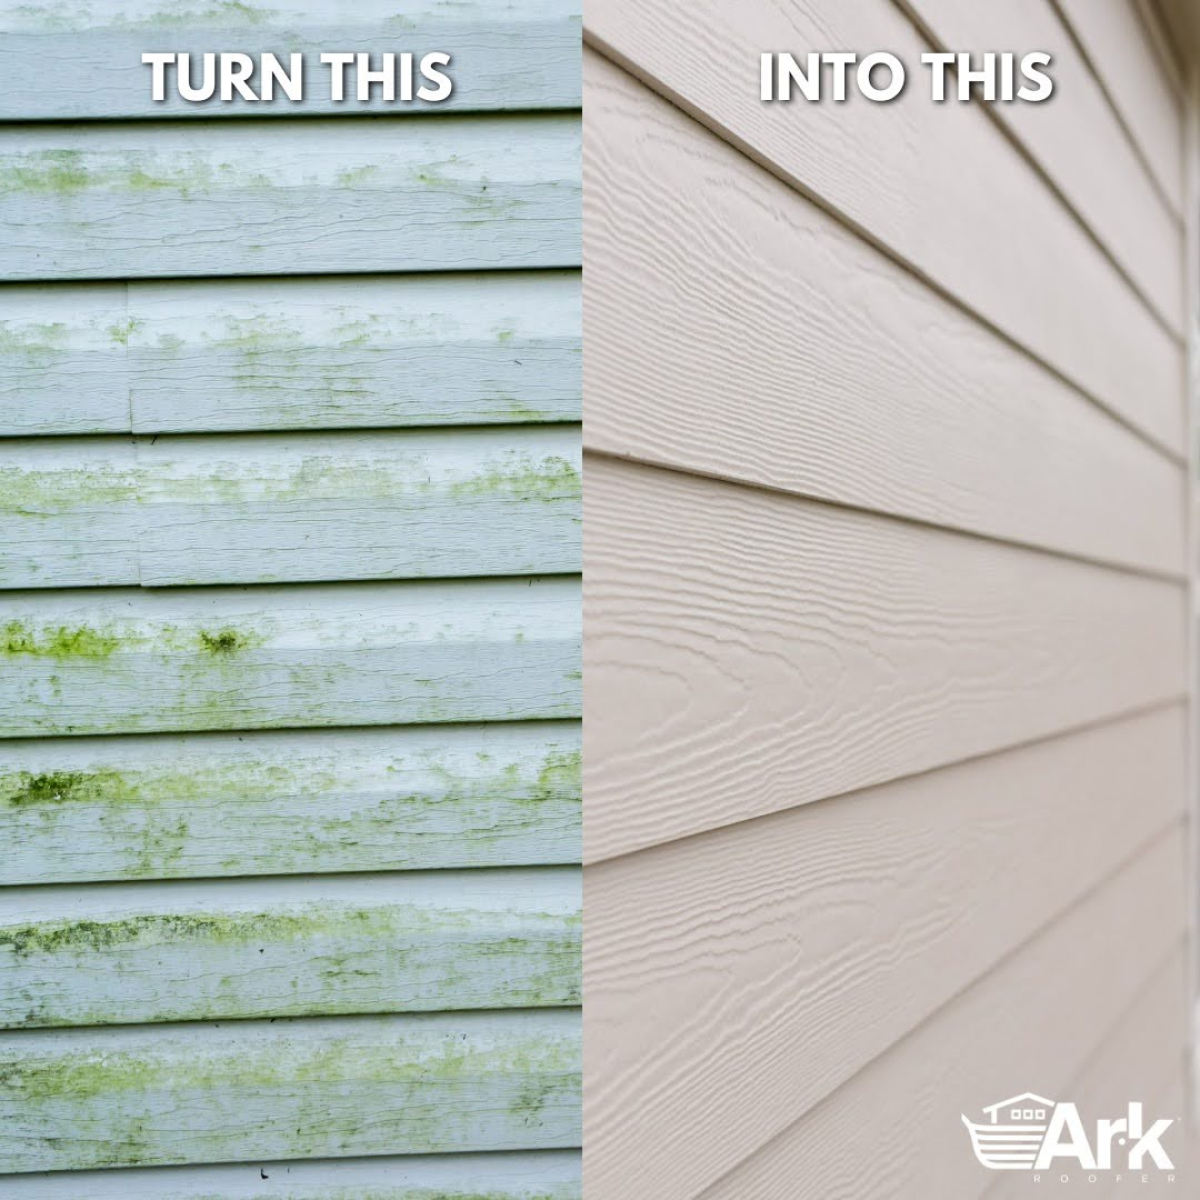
{"points": [[1192, 550]]}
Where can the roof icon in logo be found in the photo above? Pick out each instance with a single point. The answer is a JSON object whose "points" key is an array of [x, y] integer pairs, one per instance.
{"points": [[1014, 1132]]}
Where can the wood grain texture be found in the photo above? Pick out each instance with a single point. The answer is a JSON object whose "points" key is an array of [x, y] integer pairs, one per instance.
{"points": [[363, 352], [1140, 1058], [1078, 141], [529, 1175], [379, 505], [734, 980], [895, 1129], [749, 652], [938, 185], [511, 56], [231, 658], [772, 341], [62, 360], [402, 942], [68, 512], [170, 807], [369, 352], [1124, 61], [324, 1087], [464, 193]]}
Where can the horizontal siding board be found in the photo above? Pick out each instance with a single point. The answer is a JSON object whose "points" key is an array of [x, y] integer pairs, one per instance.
{"points": [[751, 652], [1123, 57], [280, 803], [289, 508], [464, 193], [512, 56], [733, 980], [323, 1087], [1141, 1058], [235, 354], [904, 1110], [827, 345], [140, 661], [965, 211], [528, 1175], [68, 512], [380, 505], [62, 360], [366, 352], [1078, 142], [179, 951]]}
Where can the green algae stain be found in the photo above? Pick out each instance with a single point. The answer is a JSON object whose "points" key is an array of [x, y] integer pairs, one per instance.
{"points": [[64, 15], [27, 789], [561, 775], [225, 641], [352, 177], [68, 173], [61, 642], [519, 476], [40, 493], [60, 171], [39, 340], [121, 331]]}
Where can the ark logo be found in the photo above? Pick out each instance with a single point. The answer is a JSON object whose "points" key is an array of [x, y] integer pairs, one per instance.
{"points": [[1031, 1133]]}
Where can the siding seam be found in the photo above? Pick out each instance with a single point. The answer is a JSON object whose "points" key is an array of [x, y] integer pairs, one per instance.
{"points": [[1173, 331], [715, 127], [1095, 887]]}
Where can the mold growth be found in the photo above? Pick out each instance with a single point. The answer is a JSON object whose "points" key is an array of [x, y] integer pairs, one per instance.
{"points": [[225, 641], [65, 16], [26, 789], [561, 776], [61, 642], [121, 331], [39, 493], [67, 172], [38, 341], [551, 478]]}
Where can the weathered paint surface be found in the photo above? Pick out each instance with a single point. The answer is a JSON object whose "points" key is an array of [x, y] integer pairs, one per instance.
{"points": [[333, 196], [372, 943], [336, 1086], [258, 658], [521, 54], [214, 356], [528, 1175], [68, 512], [386, 505], [339, 362], [289, 803]]}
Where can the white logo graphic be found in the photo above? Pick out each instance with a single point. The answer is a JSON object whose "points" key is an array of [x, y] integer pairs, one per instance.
{"points": [[1030, 1133]]}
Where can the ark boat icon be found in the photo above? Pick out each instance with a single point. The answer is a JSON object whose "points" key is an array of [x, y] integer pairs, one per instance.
{"points": [[1013, 1134]]}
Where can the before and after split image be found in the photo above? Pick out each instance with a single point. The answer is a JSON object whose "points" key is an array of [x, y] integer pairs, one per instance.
{"points": [[598, 601]]}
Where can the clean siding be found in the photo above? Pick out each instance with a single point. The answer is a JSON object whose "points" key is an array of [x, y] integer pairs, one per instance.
{"points": [[965, 214], [856, 471], [829, 345]]}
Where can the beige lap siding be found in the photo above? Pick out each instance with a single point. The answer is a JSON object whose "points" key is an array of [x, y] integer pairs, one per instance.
{"points": [[885, 599]]}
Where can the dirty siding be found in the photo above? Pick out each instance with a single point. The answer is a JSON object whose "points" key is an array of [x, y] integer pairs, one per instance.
{"points": [[289, 619]]}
